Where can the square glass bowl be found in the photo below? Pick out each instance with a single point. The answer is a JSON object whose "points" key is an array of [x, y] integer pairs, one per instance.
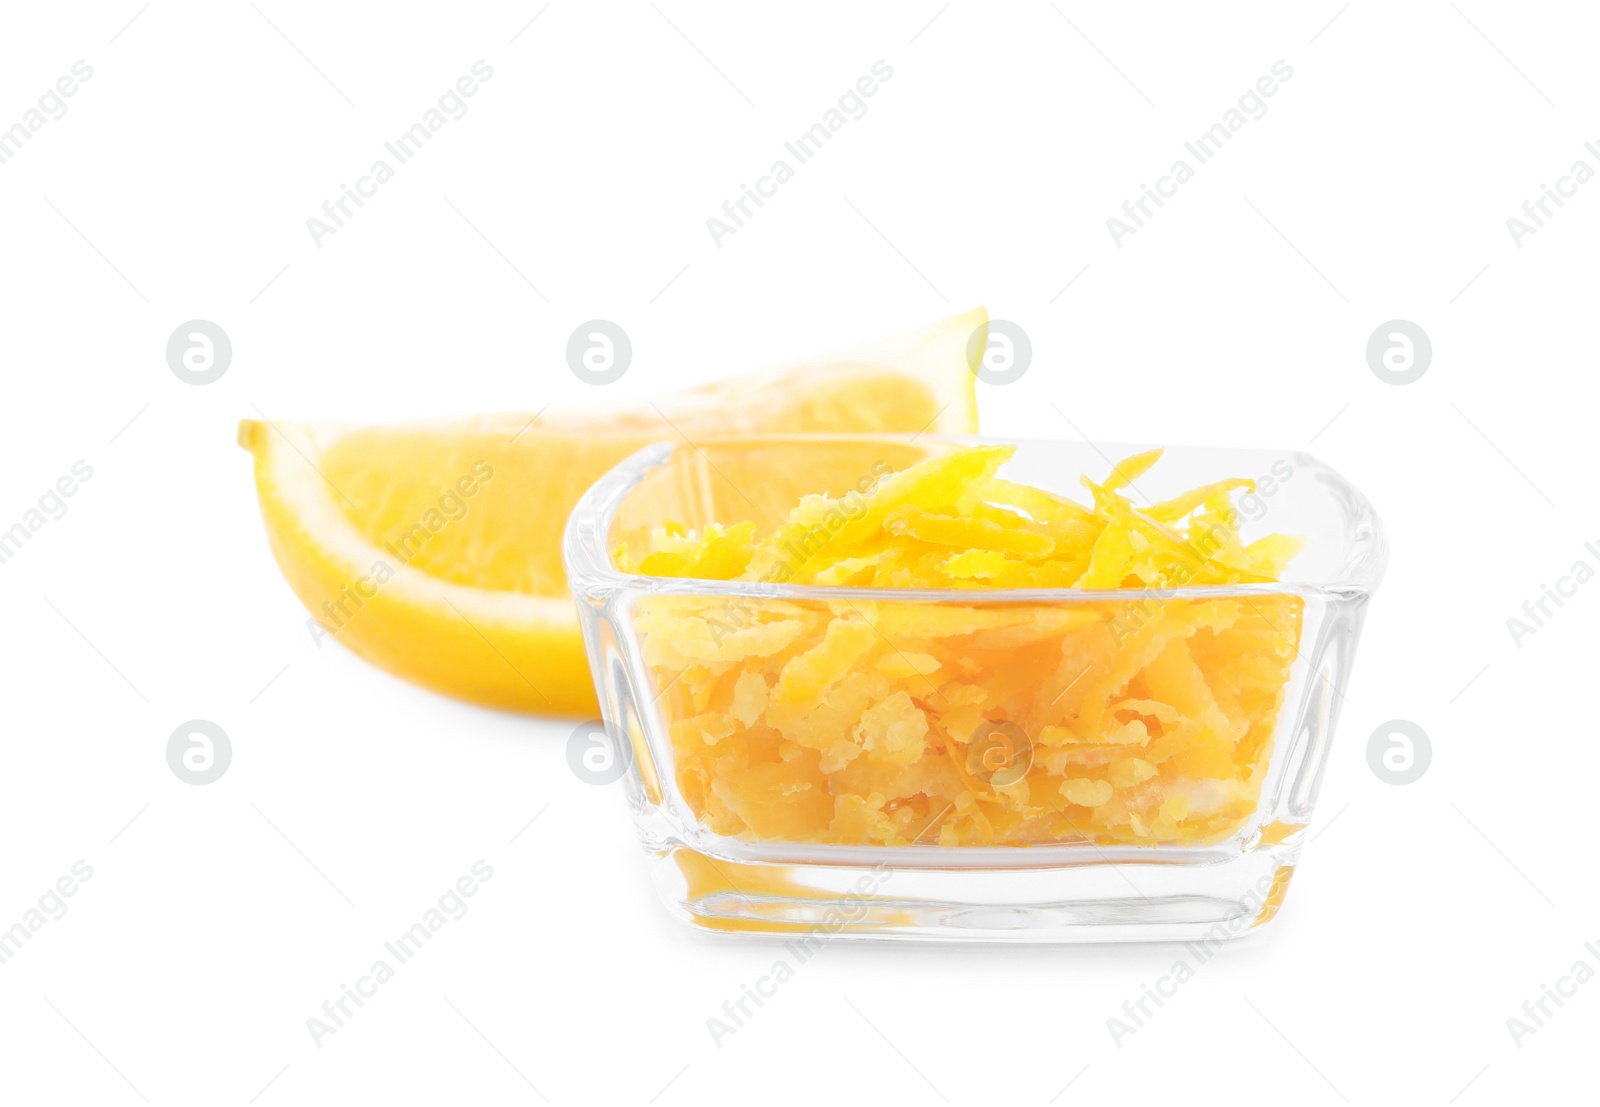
{"points": [[1043, 764]]}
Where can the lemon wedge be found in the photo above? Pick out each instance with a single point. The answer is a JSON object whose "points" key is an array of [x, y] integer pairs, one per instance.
{"points": [[433, 549]]}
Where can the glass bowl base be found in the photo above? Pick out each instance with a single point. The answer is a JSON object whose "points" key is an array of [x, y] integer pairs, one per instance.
{"points": [[1206, 903]]}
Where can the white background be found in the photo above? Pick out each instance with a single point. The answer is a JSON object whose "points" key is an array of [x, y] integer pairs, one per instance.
{"points": [[178, 185]]}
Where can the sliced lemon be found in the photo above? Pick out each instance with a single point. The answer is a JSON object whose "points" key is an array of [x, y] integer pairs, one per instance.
{"points": [[433, 550]]}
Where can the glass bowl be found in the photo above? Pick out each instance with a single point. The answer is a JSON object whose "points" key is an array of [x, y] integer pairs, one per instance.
{"points": [[1047, 764]]}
